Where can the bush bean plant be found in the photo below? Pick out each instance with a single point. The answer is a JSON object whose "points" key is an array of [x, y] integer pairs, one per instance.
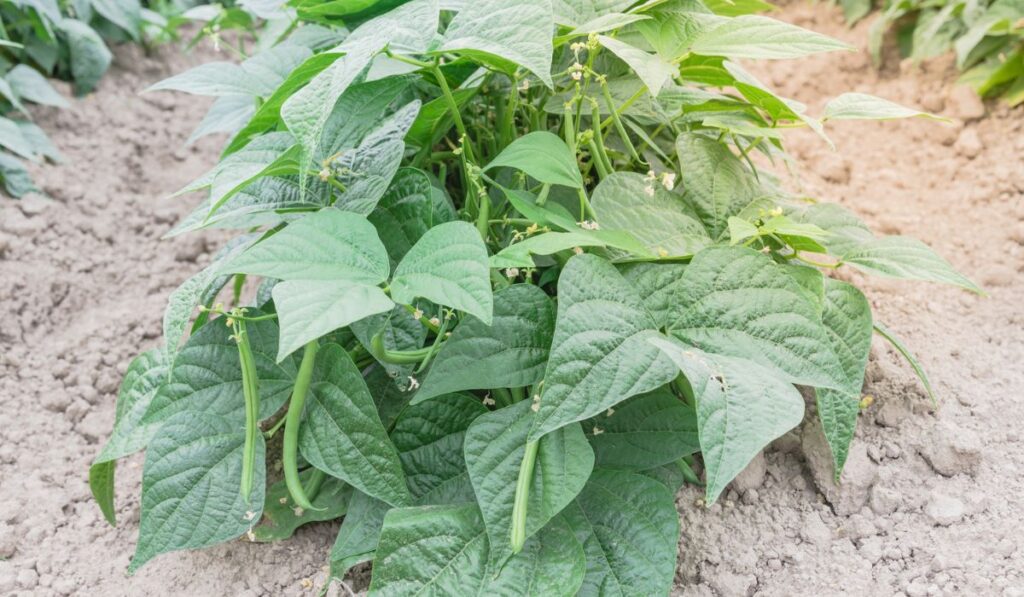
{"points": [[518, 269], [987, 37]]}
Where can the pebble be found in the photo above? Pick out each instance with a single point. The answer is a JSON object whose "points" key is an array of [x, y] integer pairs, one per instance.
{"points": [[884, 500], [964, 103], [969, 144], [815, 530], [871, 549], [951, 450], [944, 510], [27, 578]]}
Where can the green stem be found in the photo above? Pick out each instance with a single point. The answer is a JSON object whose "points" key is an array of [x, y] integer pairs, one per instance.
{"points": [[250, 391], [290, 453], [316, 481], [618, 122], [595, 115], [453, 106], [625, 105], [269, 433], [236, 295], [437, 344], [595, 158], [522, 498]]}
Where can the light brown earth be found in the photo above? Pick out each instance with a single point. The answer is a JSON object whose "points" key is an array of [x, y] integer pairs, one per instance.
{"points": [[930, 503]]}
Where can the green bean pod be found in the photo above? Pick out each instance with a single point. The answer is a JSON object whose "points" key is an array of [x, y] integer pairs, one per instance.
{"points": [[250, 390], [522, 498], [290, 451]]}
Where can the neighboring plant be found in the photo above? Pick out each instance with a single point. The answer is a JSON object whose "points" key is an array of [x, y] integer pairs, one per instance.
{"points": [[519, 266], [44, 38], [987, 37]]}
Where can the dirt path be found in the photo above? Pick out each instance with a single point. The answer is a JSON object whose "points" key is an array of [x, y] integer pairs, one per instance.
{"points": [[930, 504]]}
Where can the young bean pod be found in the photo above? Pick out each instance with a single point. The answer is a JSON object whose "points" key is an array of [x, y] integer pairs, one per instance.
{"points": [[293, 420], [250, 391]]}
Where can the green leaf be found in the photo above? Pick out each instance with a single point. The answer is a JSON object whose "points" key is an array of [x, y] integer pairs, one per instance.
{"points": [[12, 140], [126, 14], [601, 24], [659, 285], [211, 78], [207, 377], [435, 118], [400, 331], [359, 533], [757, 37], [847, 317], [674, 28], [741, 408], [520, 254], [309, 309], [15, 177], [429, 440], [502, 32], [228, 114], [905, 258], [643, 432], [509, 353], [29, 85], [407, 211], [845, 231], [660, 219], [364, 109], [327, 245], [735, 8], [90, 57], [599, 355], [544, 157], [552, 562], [281, 517], [717, 183], [342, 433], [273, 154], [578, 12], [494, 448], [447, 266], [101, 483], [629, 529], [408, 28], [190, 496], [738, 302], [861, 106], [144, 377], [652, 69]]}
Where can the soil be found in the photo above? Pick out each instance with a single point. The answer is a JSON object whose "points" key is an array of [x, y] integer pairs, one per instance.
{"points": [[930, 501]]}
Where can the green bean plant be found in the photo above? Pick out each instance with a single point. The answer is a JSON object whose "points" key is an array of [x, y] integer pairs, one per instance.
{"points": [[519, 269], [987, 37]]}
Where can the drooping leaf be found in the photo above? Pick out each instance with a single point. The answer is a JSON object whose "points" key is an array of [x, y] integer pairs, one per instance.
{"points": [[521, 254], [495, 447], [741, 408], [342, 433], [599, 355], [509, 353], [738, 302], [904, 350], [409, 28], [661, 220], [861, 106], [629, 529], [503, 32], [447, 266], [847, 318], [643, 432], [543, 156], [273, 154], [101, 484], [760, 38], [328, 245], [227, 115], [190, 496], [309, 309], [905, 258], [652, 69], [30, 85]]}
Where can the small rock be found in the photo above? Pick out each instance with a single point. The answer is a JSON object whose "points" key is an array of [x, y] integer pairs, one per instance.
{"points": [[33, 205], [871, 549], [94, 426], [859, 474], [883, 500], [933, 102], [969, 144], [916, 589], [964, 103], [892, 413], [728, 583], [951, 449], [752, 477], [28, 578], [815, 530], [944, 510]]}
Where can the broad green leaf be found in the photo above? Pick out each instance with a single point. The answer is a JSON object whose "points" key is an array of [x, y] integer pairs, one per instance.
{"points": [[602, 24], [90, 57], [228, 114], [905, 258], [359, 533], [307, 110], [144, 377], [126, 14], [263, 202], [757, 37], [660, 219], [407, 210], [328, 245], [740, 230], [495, 446], [577, 12], [281, 517], [190, 496], [429, 440], [367, 170], [435, 118], [717, 183], [409, 28], [738, 302], [273, 154], [29, 85], [390, 399], [359, 112], [12, 97], [552, 562], [735, 8], [544, 157], [673, 29], [629, 529], [846, 231], [431, 550], [600, 354], [342, 433], [669, 475], [861, 106], [206, 375], [503, 32], [509, 353], [101, 484], [211, 78], [309, 309], [741, 408], [847, 317], [778, 107], [447, 266], [659, 285], [15, 177], [643, 432], [652, 69], [14, 141], [520, 254]]}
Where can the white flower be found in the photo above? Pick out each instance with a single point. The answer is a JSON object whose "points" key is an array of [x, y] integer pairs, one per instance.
{"points": [[488, 401], [325, 173], [435, 321], [598, 430], [413, 383], [649, 190], [590, 225], [250, 515], [512, 272], [298, 511], [668, 180], [577, 250], [610, 412], [577, 75], [417, 314], [535, 407], [775, 212]]}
